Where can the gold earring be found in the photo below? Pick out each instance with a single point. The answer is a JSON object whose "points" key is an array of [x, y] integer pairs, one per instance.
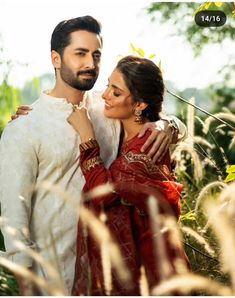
{"points": [[138, 118]]}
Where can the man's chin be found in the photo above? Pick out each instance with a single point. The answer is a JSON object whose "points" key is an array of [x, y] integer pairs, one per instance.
{"points": [[85, 87]]}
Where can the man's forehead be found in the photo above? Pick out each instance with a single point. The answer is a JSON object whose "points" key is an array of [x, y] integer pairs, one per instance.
{"points": [[85, 39]]}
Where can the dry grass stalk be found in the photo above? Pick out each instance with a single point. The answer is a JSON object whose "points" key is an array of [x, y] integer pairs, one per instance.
{"points": [[98, 229], [53, 274], [144, 287], [228, 193], [203, 141], [106, 262], [214, 214], [184, 146], [165, 269], [187, 283], [67, 198], [31, 277], [190, 122], [102, 235], [232, 143], [227, 116], [205, 190], [175, 242], [100, 191], [224, 225], [199, 238]]}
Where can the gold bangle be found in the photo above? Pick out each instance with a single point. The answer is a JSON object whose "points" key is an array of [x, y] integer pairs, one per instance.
{"points": [[91, 143]]}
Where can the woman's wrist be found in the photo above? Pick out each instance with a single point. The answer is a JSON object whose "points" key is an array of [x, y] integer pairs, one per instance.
{"points": [[89, 144], [86, 137]]}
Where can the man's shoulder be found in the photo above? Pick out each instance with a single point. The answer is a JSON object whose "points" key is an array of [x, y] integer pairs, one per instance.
{"points": [[21, 125]]}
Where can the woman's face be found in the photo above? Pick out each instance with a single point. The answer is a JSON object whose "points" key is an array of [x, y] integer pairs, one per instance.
{"points": [[119, 102]]}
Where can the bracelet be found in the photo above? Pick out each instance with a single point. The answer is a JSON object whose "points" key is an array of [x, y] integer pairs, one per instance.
{"points": [[91, 143], [174, 128]]}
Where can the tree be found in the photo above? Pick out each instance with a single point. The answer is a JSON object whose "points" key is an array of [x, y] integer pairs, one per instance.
{"points": [[181, 16]]}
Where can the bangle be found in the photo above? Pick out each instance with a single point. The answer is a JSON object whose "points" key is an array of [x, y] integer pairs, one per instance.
{"points": [[91, 143]]}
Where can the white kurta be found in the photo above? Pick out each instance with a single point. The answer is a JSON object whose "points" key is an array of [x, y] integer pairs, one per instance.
{"points": [[44, 147]]}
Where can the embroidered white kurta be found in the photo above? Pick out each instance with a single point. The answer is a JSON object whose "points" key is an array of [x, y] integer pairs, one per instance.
{"points": [[39, 147]]}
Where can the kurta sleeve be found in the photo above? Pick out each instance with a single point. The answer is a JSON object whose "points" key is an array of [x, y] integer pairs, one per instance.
{"points": [[18, 172]]}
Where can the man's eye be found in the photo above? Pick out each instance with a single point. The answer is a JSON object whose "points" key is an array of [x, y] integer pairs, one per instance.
{"points": [[97, 56], [80, 54]]}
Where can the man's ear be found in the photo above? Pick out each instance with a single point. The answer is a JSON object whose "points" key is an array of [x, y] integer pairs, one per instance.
{"points": [[55, 59]]}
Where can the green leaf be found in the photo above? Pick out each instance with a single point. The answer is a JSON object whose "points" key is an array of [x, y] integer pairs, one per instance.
{"points": [[141, 52], [133, 49], [231, 173], [191, 215], [230, 177], [218, 4], [231, 169], [152, 56]]}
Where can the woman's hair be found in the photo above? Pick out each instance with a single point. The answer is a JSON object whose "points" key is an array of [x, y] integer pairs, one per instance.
{"points": [[144, 80]]}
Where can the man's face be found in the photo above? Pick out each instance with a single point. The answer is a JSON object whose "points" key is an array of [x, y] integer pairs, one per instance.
{"points": [[80, 62]]}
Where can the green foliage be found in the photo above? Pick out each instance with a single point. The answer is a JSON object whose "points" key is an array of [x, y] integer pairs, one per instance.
{"points": [[10, 97], [8, 285], [181, 16]]}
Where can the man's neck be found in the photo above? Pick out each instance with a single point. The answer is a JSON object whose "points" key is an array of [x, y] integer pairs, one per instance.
{"points": [[72, 95]]}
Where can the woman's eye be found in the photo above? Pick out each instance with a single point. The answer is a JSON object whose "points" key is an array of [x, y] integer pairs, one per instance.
{"points": [[116, 94]]}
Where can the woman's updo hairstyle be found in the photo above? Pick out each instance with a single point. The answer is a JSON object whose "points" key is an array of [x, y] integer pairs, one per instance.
{"points": [[144, 80]]}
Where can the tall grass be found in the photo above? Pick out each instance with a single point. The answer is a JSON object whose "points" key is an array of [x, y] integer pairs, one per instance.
{"points": [[206, 225]]}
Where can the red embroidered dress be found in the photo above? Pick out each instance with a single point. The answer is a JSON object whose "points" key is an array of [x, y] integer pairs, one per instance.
{"points": [[134, 177]]}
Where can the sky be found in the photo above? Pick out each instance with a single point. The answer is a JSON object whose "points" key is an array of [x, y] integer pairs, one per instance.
{"points": [[26, 27]]}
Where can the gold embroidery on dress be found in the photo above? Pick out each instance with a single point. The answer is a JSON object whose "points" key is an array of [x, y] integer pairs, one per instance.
{"points": [[91, 163], [147, 162]]}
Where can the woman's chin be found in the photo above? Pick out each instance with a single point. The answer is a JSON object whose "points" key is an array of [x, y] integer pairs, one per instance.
{"points": [[107, 114]]}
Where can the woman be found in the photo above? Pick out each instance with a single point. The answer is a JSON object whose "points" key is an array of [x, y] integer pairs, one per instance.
{"points": [[134, 95]]}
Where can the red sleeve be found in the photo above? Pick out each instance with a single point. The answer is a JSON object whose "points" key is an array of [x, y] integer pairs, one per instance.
{"points": [[95, 175], [134, 177]]}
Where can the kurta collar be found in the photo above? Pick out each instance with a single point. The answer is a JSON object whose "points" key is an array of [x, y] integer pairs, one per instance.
{"points": [[59, 101]]}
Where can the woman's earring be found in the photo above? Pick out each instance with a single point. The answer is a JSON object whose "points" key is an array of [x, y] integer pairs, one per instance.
{"points": [[138, 117]]}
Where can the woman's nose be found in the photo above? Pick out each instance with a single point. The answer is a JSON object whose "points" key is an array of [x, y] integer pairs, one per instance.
{"points": [[106, 94]]}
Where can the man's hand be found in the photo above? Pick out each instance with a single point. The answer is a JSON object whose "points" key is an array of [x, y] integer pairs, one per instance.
{"points": [[160, 139], [21, 110]]}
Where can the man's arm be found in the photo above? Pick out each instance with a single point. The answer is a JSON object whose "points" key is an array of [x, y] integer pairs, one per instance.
{"points": [[18, 172], [165, 132]]}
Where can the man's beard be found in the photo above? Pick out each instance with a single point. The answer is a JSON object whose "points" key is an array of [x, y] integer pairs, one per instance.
{"points": [[73, 79]]}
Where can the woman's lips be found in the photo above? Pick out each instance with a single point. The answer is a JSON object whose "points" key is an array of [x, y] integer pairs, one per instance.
{"points": [[107, 106]]}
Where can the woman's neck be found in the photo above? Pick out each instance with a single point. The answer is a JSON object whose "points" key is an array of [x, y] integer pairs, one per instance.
{"points": [[131, 129]]}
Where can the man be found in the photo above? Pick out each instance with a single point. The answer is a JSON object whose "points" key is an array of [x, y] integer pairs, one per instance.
{"points": [[44, 147]]}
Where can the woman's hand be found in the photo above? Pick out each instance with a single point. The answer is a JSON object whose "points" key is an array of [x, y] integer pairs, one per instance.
{"points": [[81, 122], [21, 110]]}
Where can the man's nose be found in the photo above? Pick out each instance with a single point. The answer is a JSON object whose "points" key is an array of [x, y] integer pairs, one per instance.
{"points": [[90, 62]]}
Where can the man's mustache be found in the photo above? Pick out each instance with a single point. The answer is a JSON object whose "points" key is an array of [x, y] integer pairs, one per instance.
{"points": [[91, 72]]}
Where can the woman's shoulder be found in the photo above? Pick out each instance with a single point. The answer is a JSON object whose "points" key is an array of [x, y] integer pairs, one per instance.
{"points": [[135, 144]]}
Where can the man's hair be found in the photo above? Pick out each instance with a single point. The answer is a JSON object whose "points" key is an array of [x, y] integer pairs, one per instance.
{"points": [[60, 37]]}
